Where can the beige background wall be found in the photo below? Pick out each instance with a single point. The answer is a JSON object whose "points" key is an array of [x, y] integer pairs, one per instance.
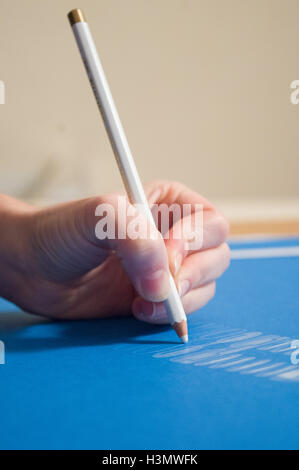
{"points": [[202, 87]]}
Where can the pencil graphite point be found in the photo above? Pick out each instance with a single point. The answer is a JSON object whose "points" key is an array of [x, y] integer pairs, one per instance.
{"points": [[76, 16]]}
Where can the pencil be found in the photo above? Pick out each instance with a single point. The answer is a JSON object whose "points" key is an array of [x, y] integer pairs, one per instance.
{"points": [[124, 158]]}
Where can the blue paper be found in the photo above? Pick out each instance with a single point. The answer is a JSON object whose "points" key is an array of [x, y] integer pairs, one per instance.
{"points": [[122, 384]]}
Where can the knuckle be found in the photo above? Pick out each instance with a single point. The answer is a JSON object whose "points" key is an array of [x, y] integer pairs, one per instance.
{"points": [[91, 205], [222, 226], [154, 251], [147, 253], [168, 187]]}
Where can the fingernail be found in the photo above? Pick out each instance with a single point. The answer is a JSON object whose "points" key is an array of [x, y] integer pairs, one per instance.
{"points": [[155, 286], [143, 310], [147, 312], [157, 313], [183, 287], [177, 263]]}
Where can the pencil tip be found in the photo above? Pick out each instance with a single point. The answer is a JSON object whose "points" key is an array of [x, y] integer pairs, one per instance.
{"points": [[181, 330]]}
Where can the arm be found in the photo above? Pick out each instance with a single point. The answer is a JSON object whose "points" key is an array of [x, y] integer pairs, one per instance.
{"points": [[15, 217]]}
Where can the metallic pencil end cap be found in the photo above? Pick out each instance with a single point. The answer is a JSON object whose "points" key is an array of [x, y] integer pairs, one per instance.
{"points": [[76, 16]]}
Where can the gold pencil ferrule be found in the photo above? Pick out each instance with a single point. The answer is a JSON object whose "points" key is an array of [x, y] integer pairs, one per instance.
{"points": [[76, 16]]}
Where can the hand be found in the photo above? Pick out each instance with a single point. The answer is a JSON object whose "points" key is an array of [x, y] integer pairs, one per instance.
{"points": [[194, 271], [54, 265]]}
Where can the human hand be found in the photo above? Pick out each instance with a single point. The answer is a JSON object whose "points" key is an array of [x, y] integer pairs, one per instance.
{"points": [[62, 270]]}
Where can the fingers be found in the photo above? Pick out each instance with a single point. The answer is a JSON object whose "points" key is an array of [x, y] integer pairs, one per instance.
{"points": [[198, 298], [195, 269], [169, 192], [196, 284], [62, 245], [146, 264], [206, 225], [150, 312], [145, 260], [215, 229], [138, 245], [211, 232], [73, 239], [202, 267]]}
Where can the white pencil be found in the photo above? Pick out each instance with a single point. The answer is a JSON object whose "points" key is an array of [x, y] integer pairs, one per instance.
{"points": [[95, 72]]}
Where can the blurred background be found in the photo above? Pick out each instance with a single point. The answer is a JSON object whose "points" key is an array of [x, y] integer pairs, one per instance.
{"points": [[202, 88]]}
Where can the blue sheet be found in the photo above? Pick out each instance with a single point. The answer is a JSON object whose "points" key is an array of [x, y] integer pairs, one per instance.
{"points": [[121, 384]]}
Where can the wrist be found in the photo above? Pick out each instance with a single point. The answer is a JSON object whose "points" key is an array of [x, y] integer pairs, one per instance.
{"points": [[15, 220]]}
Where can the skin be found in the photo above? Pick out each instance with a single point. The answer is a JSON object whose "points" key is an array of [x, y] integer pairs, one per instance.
{"points": [[52, 264]]}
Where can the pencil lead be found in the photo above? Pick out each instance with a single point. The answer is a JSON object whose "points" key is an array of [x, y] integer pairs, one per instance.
{"points": [[184, 339], [181, 330]]}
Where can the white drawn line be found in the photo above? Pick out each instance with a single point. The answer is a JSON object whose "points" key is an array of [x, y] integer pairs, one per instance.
{"points": [[220, 347], [271, 252], [221, 360], [293, 374], [265, 369], [253, 364], [281, 342], [232, 363], [216, 361]]}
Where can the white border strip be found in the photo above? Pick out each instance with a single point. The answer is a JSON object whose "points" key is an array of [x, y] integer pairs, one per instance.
{"points": [[273, 252], [260, 237]]}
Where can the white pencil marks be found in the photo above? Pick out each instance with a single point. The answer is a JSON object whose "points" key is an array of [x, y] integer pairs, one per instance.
{"points": [[220, 347]]}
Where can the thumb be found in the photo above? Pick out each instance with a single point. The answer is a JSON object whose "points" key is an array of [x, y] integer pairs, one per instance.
{"points": [[69, 246], [139, 246], [63, 240], [145, 262]]}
